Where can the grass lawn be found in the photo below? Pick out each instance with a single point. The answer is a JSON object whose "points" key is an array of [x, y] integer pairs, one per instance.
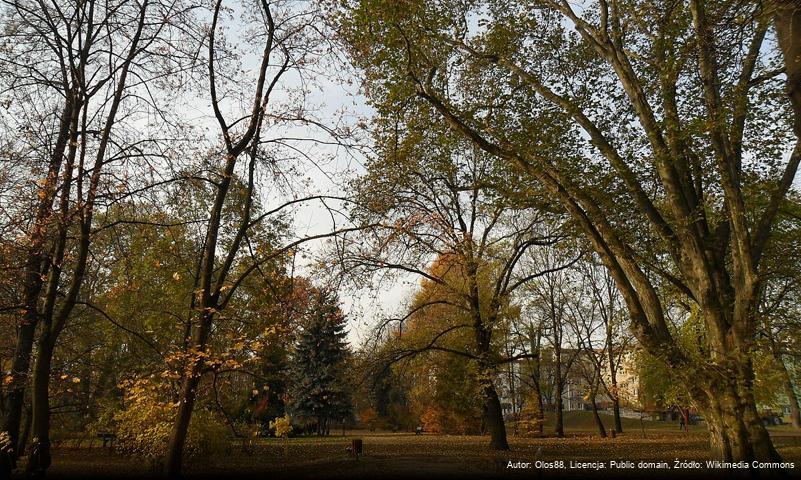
{"points": [[406, 455]]}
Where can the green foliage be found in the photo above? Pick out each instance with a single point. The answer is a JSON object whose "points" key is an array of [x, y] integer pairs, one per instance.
{"points": [[768, 378], [320, 391]]}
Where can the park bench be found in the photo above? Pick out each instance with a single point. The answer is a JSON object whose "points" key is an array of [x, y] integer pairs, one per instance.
{"points": [[108, 438]]}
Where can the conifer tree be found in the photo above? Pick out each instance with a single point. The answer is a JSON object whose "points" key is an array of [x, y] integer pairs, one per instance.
{"points": [[320, 390]]}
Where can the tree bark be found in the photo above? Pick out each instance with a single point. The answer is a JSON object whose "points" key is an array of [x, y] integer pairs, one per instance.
{"points": [[593, 397], [616, 411], [186, 401], [598, 422], [33, 279], [735, 430], [40, 458], [535, 382], [26, 431], [559, 423], [493, 417], [180, 428], [614, 393], [536, 379], [787, 20], [20, 368]]}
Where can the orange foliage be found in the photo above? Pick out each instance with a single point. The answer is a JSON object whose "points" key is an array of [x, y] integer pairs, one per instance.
{"points": [[431, 420]]}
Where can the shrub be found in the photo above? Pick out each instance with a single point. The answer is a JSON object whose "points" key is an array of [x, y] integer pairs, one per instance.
{"points": [[529, 424], [431, 420], [145, 422], [282, 426]]}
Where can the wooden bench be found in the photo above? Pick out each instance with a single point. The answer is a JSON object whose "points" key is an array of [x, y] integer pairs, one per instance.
{"points": [[108, 438]]}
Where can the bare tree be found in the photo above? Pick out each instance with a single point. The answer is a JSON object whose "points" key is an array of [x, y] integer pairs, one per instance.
{"points": [[552, 302], [79, 63], [442, 221], [288, 37]]}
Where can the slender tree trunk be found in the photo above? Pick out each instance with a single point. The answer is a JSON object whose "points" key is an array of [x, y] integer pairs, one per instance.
{"points": [[597, 418], [536, 379], [559, 425], [613, 370], [180, 428], [26, 431], [535, 382], [20, 367], [593, 400], [616, 411], [33, 280]]}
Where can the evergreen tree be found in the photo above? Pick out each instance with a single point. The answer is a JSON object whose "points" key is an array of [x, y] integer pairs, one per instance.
{"points": [[320, 391]]}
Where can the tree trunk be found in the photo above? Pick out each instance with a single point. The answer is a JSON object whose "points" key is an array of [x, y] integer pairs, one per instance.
{"points": [[597, 418], [559, 425], [19, 379], [180, 428], [735, 430], [40, 459], [559, 428], [26, 431], [536, 380], [614, 393], [33, 278], [493, 417], [593, 397], [538, 397], [616, 410]]}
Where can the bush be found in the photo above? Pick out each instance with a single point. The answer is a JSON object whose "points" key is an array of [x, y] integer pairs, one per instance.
{"points": [[528, 422], [144, 425], [431, 420], [282, 426]]}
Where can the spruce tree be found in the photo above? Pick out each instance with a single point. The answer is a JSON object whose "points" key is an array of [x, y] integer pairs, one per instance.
{"points": [[320, 392]]}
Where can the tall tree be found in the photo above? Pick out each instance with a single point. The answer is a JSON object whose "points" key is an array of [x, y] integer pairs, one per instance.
{"points": [[552, 299], [671, 102], [612, 319], [81, 58], [288, 43], [319, 364], [436, 202]]}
